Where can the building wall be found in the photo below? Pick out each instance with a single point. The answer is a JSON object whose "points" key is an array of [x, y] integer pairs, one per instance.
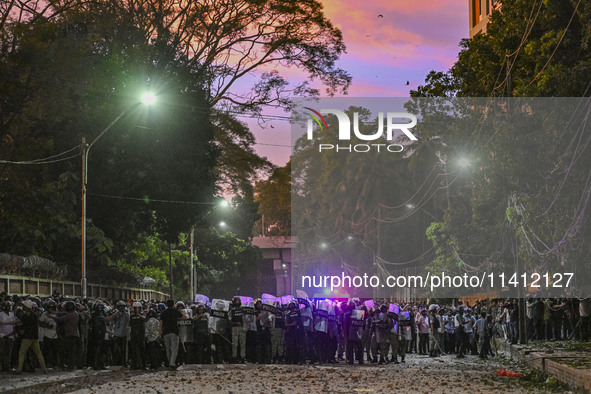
{"points": [[479, 15], [274, 274]]}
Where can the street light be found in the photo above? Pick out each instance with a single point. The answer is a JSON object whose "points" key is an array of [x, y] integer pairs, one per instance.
{"points": [[147, 99], [463, 162], [222, 203]]}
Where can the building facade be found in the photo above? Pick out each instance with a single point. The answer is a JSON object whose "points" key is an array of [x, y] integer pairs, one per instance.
{"points": [[480, 11]]}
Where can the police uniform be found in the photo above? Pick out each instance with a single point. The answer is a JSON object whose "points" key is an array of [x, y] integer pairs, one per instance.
{"points": [[404, 332], [238, 334], [293, 334], [383, 325], [354, 324], [277, 348]]}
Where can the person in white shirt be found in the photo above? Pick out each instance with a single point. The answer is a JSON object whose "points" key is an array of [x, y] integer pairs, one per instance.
{"points": [[6, 336], [50, 346]]}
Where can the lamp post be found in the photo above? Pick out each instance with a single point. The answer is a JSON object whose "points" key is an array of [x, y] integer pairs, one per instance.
{"points": [[148, 99], [193, 286]]}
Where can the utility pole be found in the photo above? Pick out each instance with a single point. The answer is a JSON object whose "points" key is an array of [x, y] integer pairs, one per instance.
{"points": [[171, 276], [83, 236], [509, 83], [191, 275]]}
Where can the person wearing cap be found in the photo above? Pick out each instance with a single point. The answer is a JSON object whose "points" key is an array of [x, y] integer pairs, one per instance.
{"points": [[30, 336]]}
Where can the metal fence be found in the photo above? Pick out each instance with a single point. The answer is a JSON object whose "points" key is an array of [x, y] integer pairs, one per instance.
{"points": [[15, 284]]}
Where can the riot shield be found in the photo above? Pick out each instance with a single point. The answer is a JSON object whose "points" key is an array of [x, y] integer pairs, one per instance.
{"points": [[218, 318], [357, 323], [306, 314], [333, 328], [404, 325], [383, 325], [268, 310], [201, 299], [321, 319], [249, 315], [286, 299]]}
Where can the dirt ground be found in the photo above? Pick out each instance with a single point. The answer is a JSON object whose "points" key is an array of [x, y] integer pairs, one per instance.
{"points": [[420, 374]]}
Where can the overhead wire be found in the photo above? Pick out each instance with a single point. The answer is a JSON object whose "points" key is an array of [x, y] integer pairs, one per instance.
{"points": [[557, 45], [46, 160]]}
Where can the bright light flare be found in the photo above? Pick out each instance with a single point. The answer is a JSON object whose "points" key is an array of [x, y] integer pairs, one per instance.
{"points": [[148, 98], [463, 162]]}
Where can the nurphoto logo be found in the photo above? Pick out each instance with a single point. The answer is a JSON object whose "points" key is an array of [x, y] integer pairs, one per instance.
{"points": [[393, 122]]}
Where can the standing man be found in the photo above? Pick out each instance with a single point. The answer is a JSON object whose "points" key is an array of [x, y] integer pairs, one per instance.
{"points": [[169, 331], [404, 331], [50, 339], [293, 333], [423, 328], [201, 335], [137, 336], [185, 324], [30, 337], [434, 341], [394, 337], [152, 334], [354, 322], [238, 332], [96, 337], [71, 335], [277, 349], [459, 322], [6, 339], [383, 325]]}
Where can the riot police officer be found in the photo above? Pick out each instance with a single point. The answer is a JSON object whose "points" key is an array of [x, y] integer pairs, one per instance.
{"points": [[353, 325], [238, 332], [383, 325], [293, 333]]}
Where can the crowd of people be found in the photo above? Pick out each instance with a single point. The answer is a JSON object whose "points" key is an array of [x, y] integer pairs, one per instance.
{"points": [[65, 334]]}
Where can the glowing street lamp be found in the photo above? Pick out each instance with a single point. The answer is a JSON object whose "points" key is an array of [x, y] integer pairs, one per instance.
{"points": [[463, 162], [146, 99]]}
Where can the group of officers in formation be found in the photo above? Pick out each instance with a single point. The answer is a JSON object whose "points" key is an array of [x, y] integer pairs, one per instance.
{"points": [[68, 334]]}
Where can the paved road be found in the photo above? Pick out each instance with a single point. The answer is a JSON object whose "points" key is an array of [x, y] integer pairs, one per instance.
{"points": [[419, 375]]}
